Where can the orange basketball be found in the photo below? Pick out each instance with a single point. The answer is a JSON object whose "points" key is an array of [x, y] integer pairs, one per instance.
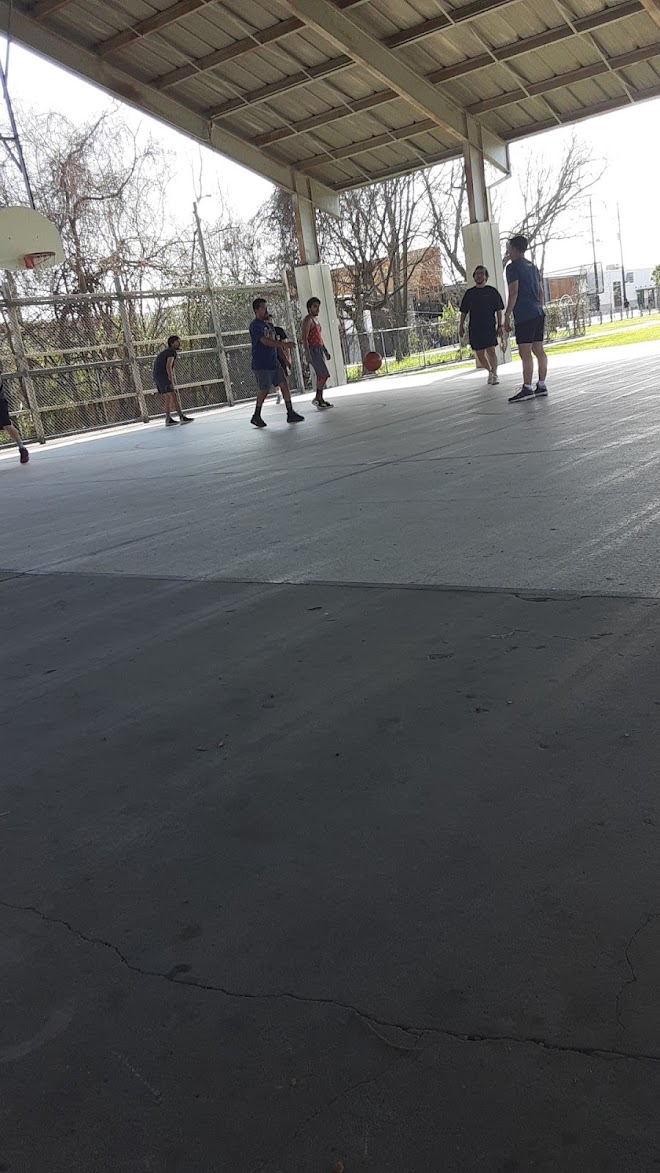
{"points": [[372, 361]]}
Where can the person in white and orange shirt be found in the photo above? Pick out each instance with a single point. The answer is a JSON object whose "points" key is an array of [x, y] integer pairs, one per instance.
{"points": [[315, 351]]}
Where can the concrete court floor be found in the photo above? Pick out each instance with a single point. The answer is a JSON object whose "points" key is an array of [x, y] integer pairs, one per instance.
{"points": [[329, 806]]}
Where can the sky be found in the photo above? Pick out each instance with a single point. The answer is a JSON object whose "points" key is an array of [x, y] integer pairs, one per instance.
{"points": [[626, 140]]}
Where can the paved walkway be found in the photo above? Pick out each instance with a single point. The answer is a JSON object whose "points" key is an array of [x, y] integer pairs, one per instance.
{"points": [[329, 814]]}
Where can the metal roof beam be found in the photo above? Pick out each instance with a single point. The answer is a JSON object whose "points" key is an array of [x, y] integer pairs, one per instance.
{"points": [[151, 24], [368, 144], [292, 81], [284, 28], [343, 30], [160, 20], [450, 73], [45, 8], [638, 96], [566, 79], [275, 32], [87, 64], [653, 9]]}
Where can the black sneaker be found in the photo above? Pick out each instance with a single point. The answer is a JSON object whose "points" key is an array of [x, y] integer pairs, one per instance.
{"points": [[524, 393], [258, 422], [186, 419], [293, 417], [24, 454], [541, 389], [170, 423]]}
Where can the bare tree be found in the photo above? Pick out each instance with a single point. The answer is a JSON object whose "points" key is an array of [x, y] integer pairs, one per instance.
{"points": [[95, 181], [276, 225], [375, 248], [550, 200], [446, 196]]}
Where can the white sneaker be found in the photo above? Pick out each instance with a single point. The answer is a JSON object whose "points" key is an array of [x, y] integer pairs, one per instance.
{"points": [[490, 378], [494, 380]]}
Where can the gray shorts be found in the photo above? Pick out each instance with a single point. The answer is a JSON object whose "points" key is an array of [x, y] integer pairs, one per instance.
{"points": [[266, 380], [317, 356], [282, 376]]}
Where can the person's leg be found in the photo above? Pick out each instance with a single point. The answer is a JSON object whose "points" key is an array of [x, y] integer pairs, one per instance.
{"points": [[185, 419], [526, 391], [542, 359], [483, 361], [492, 359], [264, 385], [527, 357], [170, 406], [321, 381], [292, 416], [15, 435]]}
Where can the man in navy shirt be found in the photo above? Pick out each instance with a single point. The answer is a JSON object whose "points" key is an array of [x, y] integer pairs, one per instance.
{"points": [[526, 304], [265, 363]]}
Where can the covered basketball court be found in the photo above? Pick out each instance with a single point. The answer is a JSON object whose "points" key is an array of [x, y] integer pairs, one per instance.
{"points": [[320, 96], [329, 812], [329, 809]]}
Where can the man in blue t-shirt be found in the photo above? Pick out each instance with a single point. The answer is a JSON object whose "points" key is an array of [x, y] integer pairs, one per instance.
{"points": [[266, 364], [526, 304]]}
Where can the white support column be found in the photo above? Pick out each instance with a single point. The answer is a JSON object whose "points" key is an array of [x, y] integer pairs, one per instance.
{"points": [[475, 182], [483, 247], [316, 281], [308, 244]]}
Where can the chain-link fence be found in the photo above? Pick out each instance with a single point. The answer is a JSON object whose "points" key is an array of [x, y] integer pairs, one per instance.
{"points": [[435, 342], [407, 348], [75, 363]]}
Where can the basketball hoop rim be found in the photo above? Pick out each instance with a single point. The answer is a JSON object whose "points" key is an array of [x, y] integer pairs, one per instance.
{"points": [[34, 260]]}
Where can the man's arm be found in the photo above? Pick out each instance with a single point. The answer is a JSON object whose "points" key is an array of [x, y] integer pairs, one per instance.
{"points": [[461, 325], [170, 371], [266, 340], [513, 297], [306, 327], [541, 289]]}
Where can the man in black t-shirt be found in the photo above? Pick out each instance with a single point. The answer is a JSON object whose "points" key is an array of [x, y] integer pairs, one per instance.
{"points": [[483, 303], [163, 373], [283, 358]]}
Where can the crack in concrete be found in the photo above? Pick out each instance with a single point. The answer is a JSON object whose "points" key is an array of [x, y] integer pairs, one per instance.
{"points": [[525, 595], [631, 981], [414, 1030]]}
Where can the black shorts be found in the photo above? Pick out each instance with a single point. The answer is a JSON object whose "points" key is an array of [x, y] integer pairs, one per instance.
{"points": [[164, 388], [532, 331], [5, 419], [483, 339]]}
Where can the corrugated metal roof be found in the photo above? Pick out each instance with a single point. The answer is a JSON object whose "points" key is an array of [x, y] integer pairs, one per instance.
{"points": [[280, 86]]}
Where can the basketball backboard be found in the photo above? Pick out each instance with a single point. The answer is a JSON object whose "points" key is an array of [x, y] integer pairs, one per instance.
{"points": [[28, 240]]}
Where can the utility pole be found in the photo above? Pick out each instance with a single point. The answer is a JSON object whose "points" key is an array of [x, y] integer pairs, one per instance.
{"points": [[222, 353], [624, 299], [593, 249]]}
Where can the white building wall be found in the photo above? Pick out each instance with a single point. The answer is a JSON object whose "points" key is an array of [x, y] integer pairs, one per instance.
{"points": [[635, 279]]}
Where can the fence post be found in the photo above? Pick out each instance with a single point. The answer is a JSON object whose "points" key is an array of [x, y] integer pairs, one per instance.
{"points": [[220, 347], [23, 367], [133, 363], [215, 321], [292, 332]]}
